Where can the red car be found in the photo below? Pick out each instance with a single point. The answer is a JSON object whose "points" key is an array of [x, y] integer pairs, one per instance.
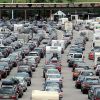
{"points": [[91, 55]]}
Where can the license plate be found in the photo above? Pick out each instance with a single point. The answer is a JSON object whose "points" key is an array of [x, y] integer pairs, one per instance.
{"points": [[5, 96]]}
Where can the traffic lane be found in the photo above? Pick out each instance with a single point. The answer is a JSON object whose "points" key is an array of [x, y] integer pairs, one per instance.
{"points": [[37, 81], [69, 90], [88, 49]]}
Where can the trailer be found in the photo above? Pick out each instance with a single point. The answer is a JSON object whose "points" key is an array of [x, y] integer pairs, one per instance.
{"points": [[44, 95]]}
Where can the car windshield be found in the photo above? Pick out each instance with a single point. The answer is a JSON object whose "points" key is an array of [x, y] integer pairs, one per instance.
{"points": [[53, 84], [6, 60], [44, 42], [89, 80], [54, 76], [23, 68], [87, 73], [3, 63], [32, 54], [53, 71], [52, 89]]}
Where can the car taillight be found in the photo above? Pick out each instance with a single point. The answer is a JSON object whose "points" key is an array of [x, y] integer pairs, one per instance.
{"points": [[60, 80], [85, 84], [13, 97], [96, 98], [74, 65], [1, 97], [59, 68]]}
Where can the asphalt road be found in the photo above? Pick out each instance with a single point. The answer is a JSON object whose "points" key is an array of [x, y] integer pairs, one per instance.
{"points": [[70, 92]]}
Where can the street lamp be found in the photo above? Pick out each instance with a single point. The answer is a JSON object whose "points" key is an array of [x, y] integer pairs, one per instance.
{"points": [[12, 10]]}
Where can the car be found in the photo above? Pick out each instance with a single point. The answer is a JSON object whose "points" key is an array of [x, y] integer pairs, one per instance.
{"points": [[25, 68], [3, 72], [51, 83], [96, 94], [81, 65], [6, 65], [22, 82], [87, 82], [52, 71], [97, 70], [72, 62], [55, 77], [8, 93], [91, 91], [57, 90], [91, 55], [77, 50], [57, 66], [25, 76], [81, 76], [40, 51], [8, 60], [15, 58], [46, 67], [13, 83], [76, 73], [26, 49], [34, 54]]}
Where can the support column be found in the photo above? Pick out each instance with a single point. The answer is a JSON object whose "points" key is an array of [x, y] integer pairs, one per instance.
{"points": [[0, 13], [25, 16], [51, 16], [12, 14]]}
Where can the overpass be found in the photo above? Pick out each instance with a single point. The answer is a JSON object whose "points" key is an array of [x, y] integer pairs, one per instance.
{"points": [[47, 6]]}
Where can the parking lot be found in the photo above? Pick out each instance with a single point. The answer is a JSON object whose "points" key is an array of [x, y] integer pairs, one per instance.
{"points": [[69, 90]]}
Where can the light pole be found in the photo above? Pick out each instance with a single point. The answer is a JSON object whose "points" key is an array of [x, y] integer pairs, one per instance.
{"points": [[12, 10]]}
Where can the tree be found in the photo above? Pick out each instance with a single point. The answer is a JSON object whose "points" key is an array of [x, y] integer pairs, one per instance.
{"points": [[59, 1], [40, 1], [71, 1]]}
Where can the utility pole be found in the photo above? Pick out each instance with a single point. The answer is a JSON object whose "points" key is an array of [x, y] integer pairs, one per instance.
{"points": [[12, 10]]}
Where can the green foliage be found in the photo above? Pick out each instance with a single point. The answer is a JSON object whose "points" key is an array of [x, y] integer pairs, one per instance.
{"points": [[71, 1]]}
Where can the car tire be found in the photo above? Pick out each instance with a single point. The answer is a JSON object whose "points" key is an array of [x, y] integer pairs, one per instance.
{"points": [[73, 78], [20, 96], [83, 92]]}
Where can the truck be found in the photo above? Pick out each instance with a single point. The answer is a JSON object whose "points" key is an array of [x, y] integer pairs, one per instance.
{"points": [[50, 51], [68, 26], [60, 43], [97, 58], [96, 40], [18, 27], [44, 95]]}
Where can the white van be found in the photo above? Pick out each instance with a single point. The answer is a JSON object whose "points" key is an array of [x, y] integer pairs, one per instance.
{"points": [[96, 40], [75, 55], [50, 50]]}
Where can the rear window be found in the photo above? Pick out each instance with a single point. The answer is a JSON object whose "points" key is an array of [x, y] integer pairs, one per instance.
{"points": [[98, 93], [6, 90], [77, 55]]}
